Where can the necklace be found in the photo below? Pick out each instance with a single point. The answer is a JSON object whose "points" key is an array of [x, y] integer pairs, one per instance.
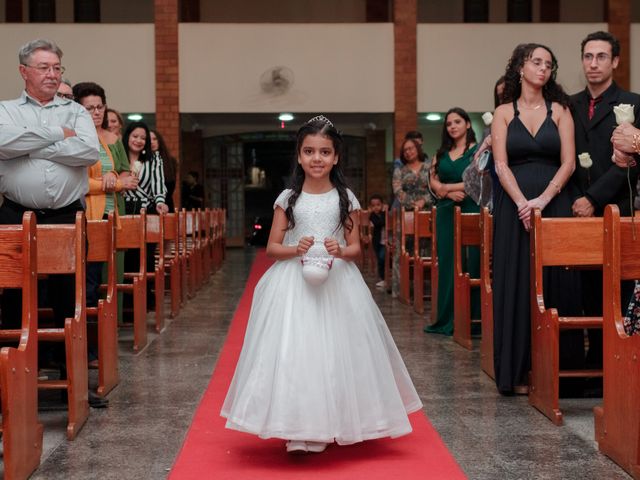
{"points": [[526, 107]]}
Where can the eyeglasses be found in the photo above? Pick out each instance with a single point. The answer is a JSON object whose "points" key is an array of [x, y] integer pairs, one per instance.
{"points": [[600, 58], [44, 69], [538, 62], [95, 108], [68, 96]]}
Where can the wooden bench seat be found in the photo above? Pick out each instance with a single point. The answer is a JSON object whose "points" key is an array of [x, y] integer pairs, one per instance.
{"points": [[131, 236], [21, 432], [101, 239], [172, 260], [466, 233], [486, 293], [617, 421], [61, 250], [154, 235], [557, 242], [425, 231], [406, 255]]}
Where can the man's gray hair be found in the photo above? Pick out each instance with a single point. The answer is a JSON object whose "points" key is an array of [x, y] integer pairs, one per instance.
{"points": [[25, 52]]}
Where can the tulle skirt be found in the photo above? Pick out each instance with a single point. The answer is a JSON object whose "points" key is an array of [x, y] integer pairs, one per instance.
{"points": [[318, 362]]}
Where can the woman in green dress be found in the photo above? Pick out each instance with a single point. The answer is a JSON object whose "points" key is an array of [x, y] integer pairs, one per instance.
{"points": [[454, 155]]}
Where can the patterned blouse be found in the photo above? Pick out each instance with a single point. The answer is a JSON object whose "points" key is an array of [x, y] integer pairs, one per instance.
{"points": [[409, 186], [151, 188], [632, 318]]}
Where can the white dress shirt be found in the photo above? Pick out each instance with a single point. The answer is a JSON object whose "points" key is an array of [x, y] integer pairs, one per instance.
{"points": [[39, 168]]}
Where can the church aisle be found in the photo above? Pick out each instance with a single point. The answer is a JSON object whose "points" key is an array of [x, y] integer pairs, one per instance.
{"points": [[491, 437]]}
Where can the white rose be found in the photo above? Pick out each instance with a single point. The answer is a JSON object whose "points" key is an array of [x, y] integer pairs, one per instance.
{"points": [[136, 167], [487, 118], [624, 113], [585, 160]]}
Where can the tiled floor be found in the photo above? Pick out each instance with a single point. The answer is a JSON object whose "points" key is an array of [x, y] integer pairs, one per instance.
{"points": [[140, 434]]}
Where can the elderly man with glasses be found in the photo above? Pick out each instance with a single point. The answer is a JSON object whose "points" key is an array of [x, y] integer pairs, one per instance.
{"points": [[46, 144]]}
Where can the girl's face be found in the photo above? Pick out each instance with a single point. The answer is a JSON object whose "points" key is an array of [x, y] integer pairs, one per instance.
{"points": [[154, 142], [114, 123], [537, 68], [137, 139], [95, 107], [410, 151], [317, 156], [456, 126]]}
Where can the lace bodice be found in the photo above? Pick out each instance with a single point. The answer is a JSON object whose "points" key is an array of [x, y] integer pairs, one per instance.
{"points": [[316, 215]]}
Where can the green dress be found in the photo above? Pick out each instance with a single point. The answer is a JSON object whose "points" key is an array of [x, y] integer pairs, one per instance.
{"points": [[450, 171], [121, 164]]}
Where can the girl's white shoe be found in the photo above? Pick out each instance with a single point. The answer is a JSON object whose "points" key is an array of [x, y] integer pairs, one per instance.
{"points": [[316, 447], [296, 446]]}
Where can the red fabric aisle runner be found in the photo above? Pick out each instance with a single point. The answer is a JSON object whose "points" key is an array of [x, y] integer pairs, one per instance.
{"points": [[211, 451]]}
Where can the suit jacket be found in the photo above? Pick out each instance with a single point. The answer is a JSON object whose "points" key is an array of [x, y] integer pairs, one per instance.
{"points": [[604, 182]]}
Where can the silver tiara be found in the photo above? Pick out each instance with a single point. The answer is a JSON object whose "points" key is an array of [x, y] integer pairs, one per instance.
{"points": [[321, 119]]}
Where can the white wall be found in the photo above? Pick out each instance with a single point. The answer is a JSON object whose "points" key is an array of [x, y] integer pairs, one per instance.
{"points": [[477, 54], [634, 41], [121, 58], [337, 67]]}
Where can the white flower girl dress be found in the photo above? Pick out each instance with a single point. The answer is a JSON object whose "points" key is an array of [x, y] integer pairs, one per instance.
{"points": [[318, 362]]}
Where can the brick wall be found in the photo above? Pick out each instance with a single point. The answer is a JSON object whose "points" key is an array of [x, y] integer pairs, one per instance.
{"points": [[405, 14], [618, 14], [167, 78]]}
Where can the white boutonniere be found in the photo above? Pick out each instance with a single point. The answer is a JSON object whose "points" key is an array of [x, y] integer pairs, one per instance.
{"points": [[487, 118], [624, 114], [584, 159], [136, 167]]}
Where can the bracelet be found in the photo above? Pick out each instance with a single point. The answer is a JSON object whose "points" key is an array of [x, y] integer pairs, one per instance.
{"points": [[557, 187], [636, 142]]}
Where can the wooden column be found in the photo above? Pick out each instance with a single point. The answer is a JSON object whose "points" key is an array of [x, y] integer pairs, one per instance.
{"points": [[405, 17], [167, 80], [618, 16]]}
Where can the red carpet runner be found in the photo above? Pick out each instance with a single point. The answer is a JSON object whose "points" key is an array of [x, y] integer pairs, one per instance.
{"points": [[212, 452]]}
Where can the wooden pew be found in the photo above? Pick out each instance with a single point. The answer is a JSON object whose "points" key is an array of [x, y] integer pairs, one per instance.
{"points": [[205, 245], [172, 260], [559, 242], [21, 432], [406, 255], [132, 235], [185, 283], [155, 235], [425, 229], [390, 222], [191, 240], [486, 293], [617, 421], [218, 240], [466, 233], [101, 239], [366, 256]]}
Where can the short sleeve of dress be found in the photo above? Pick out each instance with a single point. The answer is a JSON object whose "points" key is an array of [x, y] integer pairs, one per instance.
{"points": [[281, 201], [355, 204]]}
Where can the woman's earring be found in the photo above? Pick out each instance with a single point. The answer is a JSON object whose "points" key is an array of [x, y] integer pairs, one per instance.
{"points": [[521, 75], [143, 152]]}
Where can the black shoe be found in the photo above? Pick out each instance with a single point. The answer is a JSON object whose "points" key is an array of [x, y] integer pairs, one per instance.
{"points": [[96, 401]]}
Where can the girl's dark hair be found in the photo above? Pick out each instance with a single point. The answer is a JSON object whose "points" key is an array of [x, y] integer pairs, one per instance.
{"points": [[422, 157], [336, 176], [497, 99], [447, 142], [169, 162], [86, 89], [551, 91], [146, 153]]}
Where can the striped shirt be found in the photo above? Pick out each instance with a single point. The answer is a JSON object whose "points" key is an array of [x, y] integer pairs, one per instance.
{"points": [[151, 188]]}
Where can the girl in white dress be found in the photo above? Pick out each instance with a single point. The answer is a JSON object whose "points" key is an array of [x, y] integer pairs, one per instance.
{"points": [[318, 363]]}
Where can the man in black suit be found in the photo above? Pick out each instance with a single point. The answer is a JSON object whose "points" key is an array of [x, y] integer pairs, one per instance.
{"points": [[604, 182]]}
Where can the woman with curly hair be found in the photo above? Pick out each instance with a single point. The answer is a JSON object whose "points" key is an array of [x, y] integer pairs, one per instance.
{"points": [[533, 148]]}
